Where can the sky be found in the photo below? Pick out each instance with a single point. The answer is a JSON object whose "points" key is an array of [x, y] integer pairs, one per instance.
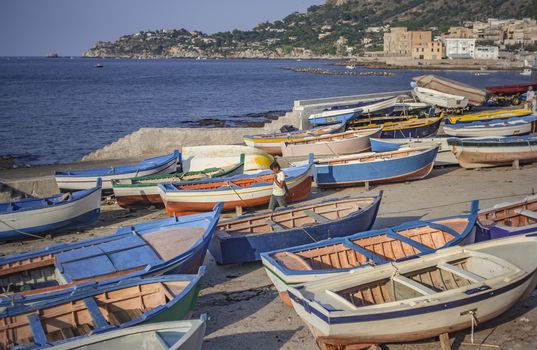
{"points": [[69, 27]]}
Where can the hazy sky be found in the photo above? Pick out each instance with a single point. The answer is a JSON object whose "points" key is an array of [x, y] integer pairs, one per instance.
{"points": [[69, 27]]}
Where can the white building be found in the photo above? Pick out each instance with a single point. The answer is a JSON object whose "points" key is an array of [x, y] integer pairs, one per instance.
{"points": [[459, 48], [486, 52]]}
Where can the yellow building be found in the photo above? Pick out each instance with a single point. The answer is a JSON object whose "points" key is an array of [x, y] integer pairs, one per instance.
{"points": [[433, 50], [400, 41]]}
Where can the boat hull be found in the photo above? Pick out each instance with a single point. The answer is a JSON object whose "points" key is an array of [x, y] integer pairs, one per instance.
{"points": [[471, 157], [414, 167], [403, 132], [186, 201], [237, 249], [443, 157], [356, 144], [198, 158], [493, 128], [66, 216]]}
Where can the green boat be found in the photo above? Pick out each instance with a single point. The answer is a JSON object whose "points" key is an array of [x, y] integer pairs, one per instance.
{"points": [[61, 316], [142, 192]]}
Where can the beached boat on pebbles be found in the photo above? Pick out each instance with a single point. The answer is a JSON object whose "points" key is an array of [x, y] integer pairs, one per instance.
{"points": [[355, 141], [440, 99], [244, 238], [36, 217], [98, 308], [405, 164], [331, 257], [443, 157], [142, 192], [475, 96], [507, 219], [272, 143], [240, 191], [412, 127], [449, 290], [74, 180], [488, 115], [169, 246], [489, 152]]}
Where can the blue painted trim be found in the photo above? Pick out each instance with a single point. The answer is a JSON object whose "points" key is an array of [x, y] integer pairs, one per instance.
{"points": [[410, 312], [409, 241], [96, 315]]}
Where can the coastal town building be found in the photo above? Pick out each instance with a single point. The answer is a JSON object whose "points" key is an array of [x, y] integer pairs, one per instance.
{"points": [[460, 48], [459, 32], [508, 32], [400, 41], [433, 50], [487, 52]]}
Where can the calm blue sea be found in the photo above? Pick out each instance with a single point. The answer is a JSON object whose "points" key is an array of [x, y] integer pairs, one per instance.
{"points": [[58, 110]]}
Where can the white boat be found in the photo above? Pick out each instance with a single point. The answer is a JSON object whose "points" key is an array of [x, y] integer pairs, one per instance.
{"points": [[73, 180], [476, 97], [440, 99], [526, 72], [34, 217], [419, 298], [499, 127], [174, 335], [350, 67], [196, 158]]}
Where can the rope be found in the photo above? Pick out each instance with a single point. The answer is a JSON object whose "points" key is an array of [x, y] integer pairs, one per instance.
{"points": [[474, 324], [19, 231]]}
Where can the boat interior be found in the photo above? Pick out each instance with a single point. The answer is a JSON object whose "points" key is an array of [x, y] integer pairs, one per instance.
{"points": [[336, 137], [188, 176], [371, 156], [438, 277], [295, 218], [81, 317], [378, 248], [98, 261], [34, 203], [518, 215]]}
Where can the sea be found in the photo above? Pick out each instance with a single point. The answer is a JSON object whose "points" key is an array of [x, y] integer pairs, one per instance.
{"points": [[58, 110]]}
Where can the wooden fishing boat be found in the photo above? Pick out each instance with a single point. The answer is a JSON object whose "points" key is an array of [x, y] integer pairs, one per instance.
{"points": [[440, 99], [489, 114], [73, 180], [175, 245], [510, 89], [507, 219], [475, 96], [497, 127], [198, 158], [172, 335], [36, 217], [142, 192], [443, 292], [98, 308], [272, 143], [490, 152], [343, 114], [443, 157], [239, 191], [336, 256], [404, 164], [243, 239], [334, 144], [409, 128]]}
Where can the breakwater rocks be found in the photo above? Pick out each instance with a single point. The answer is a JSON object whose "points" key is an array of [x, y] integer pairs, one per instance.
{"points": [[250, 120], [315, 70]]}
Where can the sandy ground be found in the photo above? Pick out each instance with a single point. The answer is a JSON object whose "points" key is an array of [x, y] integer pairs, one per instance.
{"points": [[243, 307]]}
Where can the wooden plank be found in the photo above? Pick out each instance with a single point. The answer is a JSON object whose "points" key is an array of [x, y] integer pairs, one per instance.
{"points": [[319, 219], [460, 272], [527, 213], [445, 344], [40, 338], [275, 226], [96, 315], [418, 287]]}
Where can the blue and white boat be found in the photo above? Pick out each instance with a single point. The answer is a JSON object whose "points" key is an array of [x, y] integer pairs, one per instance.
{"points": [[336, 256], [344, 114], [491, 128], [98, 308], [170, 246], [73, 180], [244, 238], [404, 164], [36, 217]]}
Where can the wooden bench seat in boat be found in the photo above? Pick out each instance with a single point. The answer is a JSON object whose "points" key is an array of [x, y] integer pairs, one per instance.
{"points": [[319, 219], [527, 213]]}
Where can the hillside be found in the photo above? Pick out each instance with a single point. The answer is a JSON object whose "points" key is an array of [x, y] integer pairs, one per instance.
{"points": [[335, 29]]}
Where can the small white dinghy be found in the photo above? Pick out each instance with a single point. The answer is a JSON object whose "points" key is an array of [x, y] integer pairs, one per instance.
{"points": [[419, 298], [440, 99], [177, 335]]}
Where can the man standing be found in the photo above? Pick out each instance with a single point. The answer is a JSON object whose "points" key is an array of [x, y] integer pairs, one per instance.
{"points": [[530, 98], [278, 187]]}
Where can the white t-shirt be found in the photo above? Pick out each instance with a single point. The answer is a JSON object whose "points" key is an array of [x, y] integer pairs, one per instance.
{"points": [[530, 95], [276, 190]]}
